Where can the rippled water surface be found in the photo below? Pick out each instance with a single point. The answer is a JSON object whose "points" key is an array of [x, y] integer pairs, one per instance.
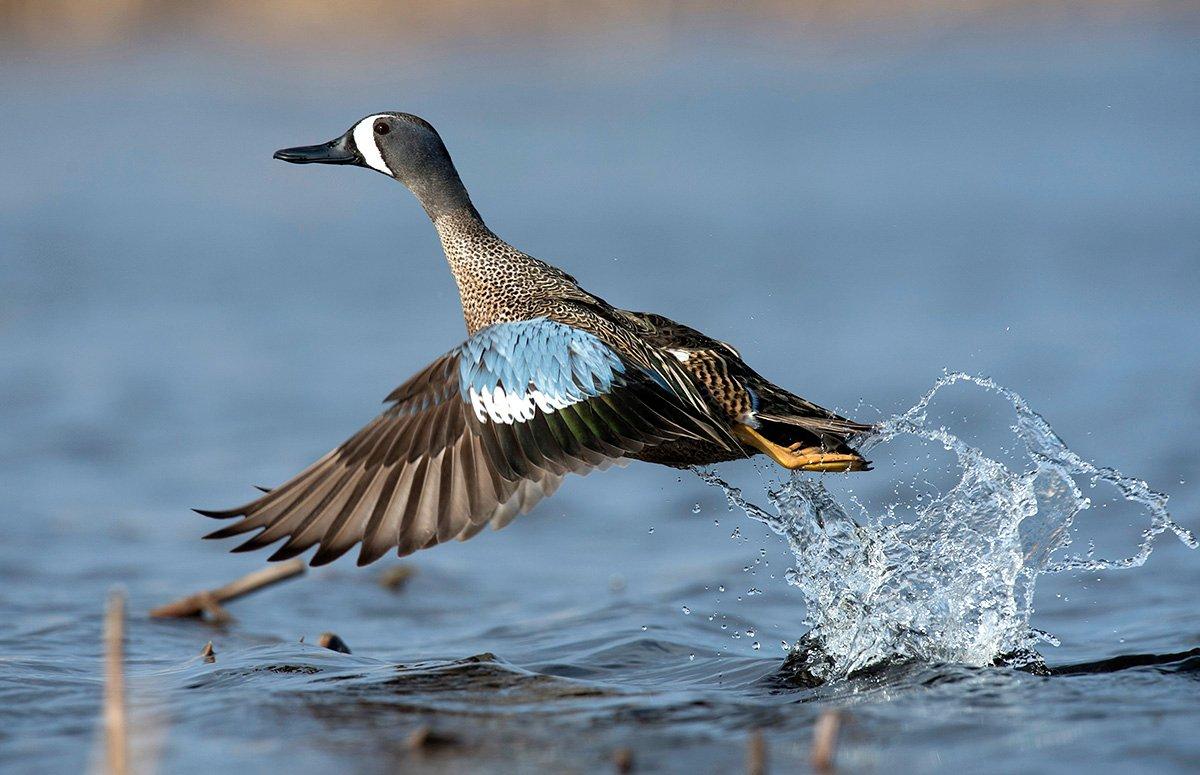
{"points": [[182, 318]]}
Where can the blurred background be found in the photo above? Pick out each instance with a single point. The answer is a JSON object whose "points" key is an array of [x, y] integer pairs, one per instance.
{"points": [[857, 194]]}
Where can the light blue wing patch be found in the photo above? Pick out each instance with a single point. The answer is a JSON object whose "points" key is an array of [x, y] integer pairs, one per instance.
{"points": [[509, 370]]}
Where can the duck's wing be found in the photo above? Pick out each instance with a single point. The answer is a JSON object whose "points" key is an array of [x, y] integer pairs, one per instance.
{"points": [[477, 437]]}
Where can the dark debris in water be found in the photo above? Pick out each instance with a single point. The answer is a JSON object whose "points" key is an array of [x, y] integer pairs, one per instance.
{"points": [[397, 577], [425, 737], [1178, 662], [331, 641], [505, 684], [796, 672]]}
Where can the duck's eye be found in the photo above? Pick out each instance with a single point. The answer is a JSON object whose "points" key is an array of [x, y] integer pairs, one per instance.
{"points": [[382, 127]]}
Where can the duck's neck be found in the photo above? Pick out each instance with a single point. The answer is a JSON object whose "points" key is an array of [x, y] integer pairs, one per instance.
{"points": [[494, 279], [435, 183]]}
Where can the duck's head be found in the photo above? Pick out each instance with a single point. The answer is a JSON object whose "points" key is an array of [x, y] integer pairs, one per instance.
{"points": [[401, 146]]}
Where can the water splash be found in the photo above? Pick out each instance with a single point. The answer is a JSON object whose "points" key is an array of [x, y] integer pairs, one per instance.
{"points": [[954, 580]]}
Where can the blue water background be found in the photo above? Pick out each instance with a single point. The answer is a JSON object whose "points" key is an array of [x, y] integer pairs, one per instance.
{"points": [[182, 317]]}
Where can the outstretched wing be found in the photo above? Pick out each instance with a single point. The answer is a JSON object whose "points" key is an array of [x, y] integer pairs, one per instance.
{"points": [[477, 437]]}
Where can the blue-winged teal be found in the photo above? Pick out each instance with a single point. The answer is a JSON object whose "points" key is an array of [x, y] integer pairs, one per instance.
{"points": [[552, 380]]}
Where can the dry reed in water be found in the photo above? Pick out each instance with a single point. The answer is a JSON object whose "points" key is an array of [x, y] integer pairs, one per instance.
{"points": [[756, 754], [210, 601], [330, 640], [824, 744], [116, 736]]}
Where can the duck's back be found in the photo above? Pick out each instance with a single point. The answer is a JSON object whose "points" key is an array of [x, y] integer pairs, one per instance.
{"points": [[741, 392]]}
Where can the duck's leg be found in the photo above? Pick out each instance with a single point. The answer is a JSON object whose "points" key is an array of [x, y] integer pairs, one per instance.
{"points": [[797, 457]]}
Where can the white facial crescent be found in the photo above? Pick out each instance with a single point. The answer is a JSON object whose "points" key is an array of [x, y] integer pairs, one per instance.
{"points": [[364, 138]]}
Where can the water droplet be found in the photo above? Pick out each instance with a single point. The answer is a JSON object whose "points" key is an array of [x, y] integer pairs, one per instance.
{"points": [[753, 591], [644, 628], [934, 524], [756, 646], [691, 657], [721, 588], [686, 611], [651, 530], [695, 508]]}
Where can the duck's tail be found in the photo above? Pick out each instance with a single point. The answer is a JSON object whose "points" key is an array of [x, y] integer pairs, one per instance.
{"points": [[806, 436]]}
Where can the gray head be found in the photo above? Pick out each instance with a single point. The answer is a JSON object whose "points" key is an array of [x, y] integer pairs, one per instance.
{"points": [[401, 146]]}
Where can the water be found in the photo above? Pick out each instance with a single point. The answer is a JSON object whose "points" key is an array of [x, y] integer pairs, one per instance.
{"points": [[954, 582], [182, 318]]}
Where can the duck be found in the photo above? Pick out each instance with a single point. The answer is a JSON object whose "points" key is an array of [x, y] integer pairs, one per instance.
{"points": [[551, 380]]}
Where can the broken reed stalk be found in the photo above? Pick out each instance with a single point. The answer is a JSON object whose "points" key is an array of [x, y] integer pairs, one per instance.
{"points": [[330, 640], [424, 737], [115, 727], [824, 743], [756, 754], [210, 601], [396, 577]]}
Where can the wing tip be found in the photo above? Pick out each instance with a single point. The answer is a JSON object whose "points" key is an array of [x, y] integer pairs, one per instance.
{"points": [[225, 532], [326, 555], [249, 546], [219, 513], [286, 552], [368, 554]]}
